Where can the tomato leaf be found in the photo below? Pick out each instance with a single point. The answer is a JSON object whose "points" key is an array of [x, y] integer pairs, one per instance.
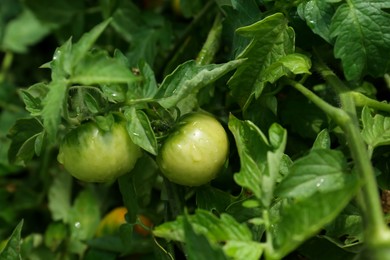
{"points": [[362, 38], [12, 248], [237, 237], [295, 220], [259, 158], [210, 198], [376, 129], [272, 39], [24, 134], [33, 96], [322, 170], [140, 130], [189, 78], [318, 16], [146, 88], [99, 68], [53, 106], [322, 141], [197, 245]]}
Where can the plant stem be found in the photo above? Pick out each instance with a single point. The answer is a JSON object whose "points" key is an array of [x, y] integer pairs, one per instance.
{"points": [[6, 64], [211, 46], [362, 100], [376, 229]]}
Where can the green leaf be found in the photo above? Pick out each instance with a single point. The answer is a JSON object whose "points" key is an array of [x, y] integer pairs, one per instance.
{"points": [[24, 134], [24, 31], [59, 197], [84, 216], [197, 245], [321, 171], [55, 234], [189, 78], [376, 129], [259, 158], [140, 130], [318, 16], [99, 68], [322, 141], [53, 105], [291, 64], [61, 65], [129, 195], [217, 230], [298, 219], [33, 96], [12, 248], [146, 88], [210, 198], [272, 39], [361, 30]]}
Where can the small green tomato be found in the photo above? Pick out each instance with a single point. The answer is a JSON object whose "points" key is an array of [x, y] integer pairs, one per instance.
{"points": [[195, 152], [92, 155]]}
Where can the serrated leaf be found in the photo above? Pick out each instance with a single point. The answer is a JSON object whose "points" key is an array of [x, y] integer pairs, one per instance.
{"points": [[224, 229], [140, 130], [23, 134], [361, 30], [272, 39], [259, 158], [318, 15], [296, 220], [99, 68], [81, 48], [53, 105], [322, 170], [59, 197], [129, 195], [12, 248], [210, 198], [61, 66], [288, 65], [188, 78], [33, 96], [23, 32], [376, 129]]}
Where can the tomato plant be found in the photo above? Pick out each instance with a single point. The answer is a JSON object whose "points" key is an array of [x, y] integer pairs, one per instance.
{"points": [[195, 150], [223, 129]]}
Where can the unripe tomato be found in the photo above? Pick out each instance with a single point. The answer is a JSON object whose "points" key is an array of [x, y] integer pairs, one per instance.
{"points": [[195, 151], [111, 222], [93, 155]]}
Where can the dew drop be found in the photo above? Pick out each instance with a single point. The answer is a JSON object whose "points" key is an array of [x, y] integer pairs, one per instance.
{"points": [[77, 224], [320, 182]]}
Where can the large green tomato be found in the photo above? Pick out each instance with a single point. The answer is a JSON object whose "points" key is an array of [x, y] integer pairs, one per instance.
{"points": [[196, 150], [93, 155]]}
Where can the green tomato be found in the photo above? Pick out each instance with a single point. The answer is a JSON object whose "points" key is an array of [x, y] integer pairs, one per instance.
{"points": [[195, 152], [92, 155]]}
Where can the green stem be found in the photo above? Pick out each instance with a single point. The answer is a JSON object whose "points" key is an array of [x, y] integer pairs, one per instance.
{"points": [[376, 229], [362, 100], [211, 46], [6, 64]]}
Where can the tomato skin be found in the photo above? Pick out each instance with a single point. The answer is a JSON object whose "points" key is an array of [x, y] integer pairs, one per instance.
{"points": [[196, 150], [92, 155]]}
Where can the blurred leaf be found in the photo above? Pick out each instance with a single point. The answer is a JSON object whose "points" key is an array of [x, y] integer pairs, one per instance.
{"points": [[189, 78], [56, 12], [362, 38], [140, 130], [23, 134], [210, 198], [24, 31], [259, 158], [321, 171], [321, 249], [59, 196], [53, 106], [129, 195], [33, 96], [12, 248], [272, 39], [55, 234], [376, 129], [318, 16], [84, 216], [146, 88]]}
